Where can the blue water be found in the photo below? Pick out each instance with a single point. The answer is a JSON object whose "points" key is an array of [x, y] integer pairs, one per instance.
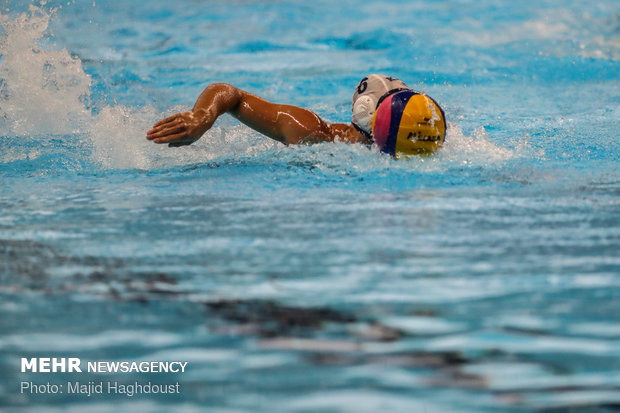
{"points": [[325, 278]]}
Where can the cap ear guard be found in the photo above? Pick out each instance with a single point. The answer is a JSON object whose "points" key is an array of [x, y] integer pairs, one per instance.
{"points": [[363, 109]]}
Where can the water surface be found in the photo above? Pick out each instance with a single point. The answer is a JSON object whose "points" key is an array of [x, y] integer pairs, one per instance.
{"points": [[314, 278]]}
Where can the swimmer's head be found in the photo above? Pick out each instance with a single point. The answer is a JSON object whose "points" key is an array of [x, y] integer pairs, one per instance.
{"points": [[366, 97], [409, 123]]}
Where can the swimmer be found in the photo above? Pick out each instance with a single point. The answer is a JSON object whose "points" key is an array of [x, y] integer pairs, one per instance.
{"points": [[418, 120]]}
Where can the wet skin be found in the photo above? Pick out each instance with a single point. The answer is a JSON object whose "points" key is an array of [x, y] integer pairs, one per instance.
{"points": [[284, 123]]}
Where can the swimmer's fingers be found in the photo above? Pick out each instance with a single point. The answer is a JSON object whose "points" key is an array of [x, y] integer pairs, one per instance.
{"points": [[161, 129], [182, 128], [167, 125], [170, 134], [167, 120]]}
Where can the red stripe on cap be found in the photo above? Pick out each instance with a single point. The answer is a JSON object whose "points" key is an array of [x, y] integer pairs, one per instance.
{"points": [[381, 130]]}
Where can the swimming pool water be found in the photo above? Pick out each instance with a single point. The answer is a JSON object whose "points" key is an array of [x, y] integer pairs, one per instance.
{"points": [[313, 278]]}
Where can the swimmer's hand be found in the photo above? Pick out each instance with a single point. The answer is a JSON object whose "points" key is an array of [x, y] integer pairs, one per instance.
{"points": [[180, 129]]}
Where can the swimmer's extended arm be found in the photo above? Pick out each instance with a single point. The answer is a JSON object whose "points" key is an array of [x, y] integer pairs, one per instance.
{"points": [[285, 123]]}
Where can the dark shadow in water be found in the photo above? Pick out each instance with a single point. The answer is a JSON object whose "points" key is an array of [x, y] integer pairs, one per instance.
{"points": [[272, 319], [322, 336]]}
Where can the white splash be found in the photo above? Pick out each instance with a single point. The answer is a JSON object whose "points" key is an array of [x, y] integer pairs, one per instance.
{"points": [[43, 89], [473, 149], [114, 136]]}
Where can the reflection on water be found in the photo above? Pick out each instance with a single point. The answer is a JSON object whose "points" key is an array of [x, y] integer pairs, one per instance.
{"points": [[314, 278]]}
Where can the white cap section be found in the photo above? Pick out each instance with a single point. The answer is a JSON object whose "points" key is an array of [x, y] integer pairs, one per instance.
{"points": [[363, 109], [367, 94]]}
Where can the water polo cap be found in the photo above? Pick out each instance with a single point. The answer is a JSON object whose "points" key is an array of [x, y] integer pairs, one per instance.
{"points": [[366, 98], [408, 122]]}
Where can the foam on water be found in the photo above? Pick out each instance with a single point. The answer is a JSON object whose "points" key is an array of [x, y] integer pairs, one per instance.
{"points": [[44, 88], [46, 92]]}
